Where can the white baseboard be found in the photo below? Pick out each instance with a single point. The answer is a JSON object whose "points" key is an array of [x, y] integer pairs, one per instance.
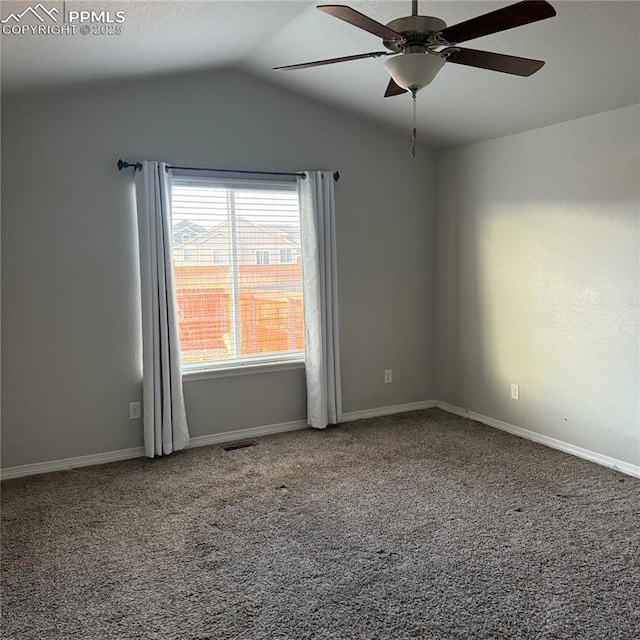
{"points": [[138, 452], [198, 441], [70, 463], [387, 411], [586, 454], [245, 434], [255, 432]]}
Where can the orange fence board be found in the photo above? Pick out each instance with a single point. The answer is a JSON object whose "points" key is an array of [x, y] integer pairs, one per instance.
{"points": [[271, 313]]}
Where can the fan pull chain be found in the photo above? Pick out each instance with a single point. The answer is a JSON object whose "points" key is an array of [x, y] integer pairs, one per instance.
{"points": [[414, 131]]}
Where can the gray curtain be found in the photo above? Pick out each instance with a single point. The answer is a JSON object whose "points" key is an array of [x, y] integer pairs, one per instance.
{"points": [[164, 416], [320, 287]]}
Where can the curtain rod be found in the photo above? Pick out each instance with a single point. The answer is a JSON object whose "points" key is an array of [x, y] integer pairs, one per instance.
{"points": [[137, 166]]}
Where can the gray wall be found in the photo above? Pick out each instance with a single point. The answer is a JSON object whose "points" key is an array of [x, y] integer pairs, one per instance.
{"points": [[70, 328], [538, 281]]}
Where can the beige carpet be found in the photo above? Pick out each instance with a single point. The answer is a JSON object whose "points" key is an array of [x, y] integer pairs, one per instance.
{"points": [[421, 525]]}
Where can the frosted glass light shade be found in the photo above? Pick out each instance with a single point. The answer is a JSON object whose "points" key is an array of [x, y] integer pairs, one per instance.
{"points": [[414, 70]]}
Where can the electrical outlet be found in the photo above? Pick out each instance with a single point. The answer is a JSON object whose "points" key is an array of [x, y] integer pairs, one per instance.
{"points": [[135, 412], [515, 392], [388, 376]]}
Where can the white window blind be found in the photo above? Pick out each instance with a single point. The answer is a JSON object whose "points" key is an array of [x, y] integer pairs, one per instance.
{"points": [[239, 293]]}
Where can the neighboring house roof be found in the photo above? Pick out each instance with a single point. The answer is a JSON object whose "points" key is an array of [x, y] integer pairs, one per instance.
{"points": [[222, 230], [183, 227]]}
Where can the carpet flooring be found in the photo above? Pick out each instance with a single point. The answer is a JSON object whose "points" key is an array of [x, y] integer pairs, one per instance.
{"points": [[420, 525]]}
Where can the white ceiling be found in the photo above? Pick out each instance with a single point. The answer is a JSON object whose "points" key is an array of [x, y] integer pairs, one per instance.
{"points": [[592, 53]]}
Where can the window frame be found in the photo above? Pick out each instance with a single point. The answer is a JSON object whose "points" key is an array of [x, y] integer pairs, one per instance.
{"points": [[284, 361], [289, 253], [190, 254], [261, 254]]}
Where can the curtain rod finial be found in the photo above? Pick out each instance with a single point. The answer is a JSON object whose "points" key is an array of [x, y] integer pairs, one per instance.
{"points": [[336, 175], [123, 164]]}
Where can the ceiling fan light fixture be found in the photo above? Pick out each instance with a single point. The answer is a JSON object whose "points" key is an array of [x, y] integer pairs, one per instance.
{"points": [[414, 71]]}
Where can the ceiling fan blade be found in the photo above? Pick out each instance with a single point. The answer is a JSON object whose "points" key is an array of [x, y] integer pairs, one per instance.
{"points": [[515, 15], [393, 89], [492, 61], [319, 63], [358, 19]]}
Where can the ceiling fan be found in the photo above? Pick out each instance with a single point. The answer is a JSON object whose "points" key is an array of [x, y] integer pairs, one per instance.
{"points": [[420, 45]]}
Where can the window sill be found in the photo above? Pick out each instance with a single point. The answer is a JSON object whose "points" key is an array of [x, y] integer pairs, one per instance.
{"points": [[242, 370]]}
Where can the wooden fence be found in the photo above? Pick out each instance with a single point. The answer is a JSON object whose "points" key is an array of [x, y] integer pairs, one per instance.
{"points": [[269, 309]]}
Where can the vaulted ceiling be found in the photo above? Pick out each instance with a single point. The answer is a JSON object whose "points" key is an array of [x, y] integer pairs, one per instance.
{"points": [[591, 49]]}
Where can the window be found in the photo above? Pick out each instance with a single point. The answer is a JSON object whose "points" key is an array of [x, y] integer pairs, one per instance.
{"points": [[219, 256], [190, 255], [235, 305], [262, 257], [286, 256]]}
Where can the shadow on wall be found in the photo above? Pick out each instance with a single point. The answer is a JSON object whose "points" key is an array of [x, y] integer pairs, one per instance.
{"points": [[461, 346]]}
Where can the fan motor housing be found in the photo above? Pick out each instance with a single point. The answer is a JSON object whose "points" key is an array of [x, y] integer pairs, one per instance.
{"points": [[416, 29]]}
